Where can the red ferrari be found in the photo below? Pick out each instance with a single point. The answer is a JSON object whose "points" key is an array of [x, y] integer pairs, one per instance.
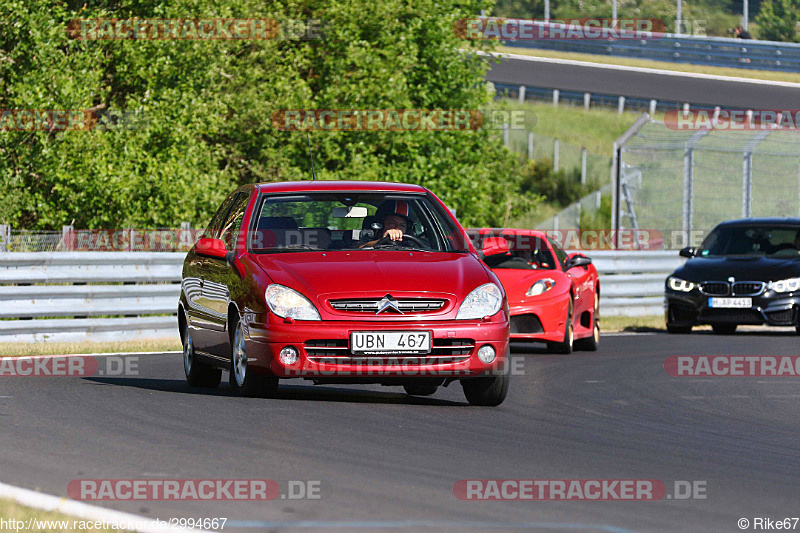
{"points": [[554, 297], [342, 282]]}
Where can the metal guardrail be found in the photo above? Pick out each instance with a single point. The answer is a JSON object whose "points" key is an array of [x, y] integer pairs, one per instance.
{"points": [[712, 51], [140, 291]]}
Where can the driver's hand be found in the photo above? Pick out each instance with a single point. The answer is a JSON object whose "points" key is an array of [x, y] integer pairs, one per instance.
{"points": [[394, 234]]}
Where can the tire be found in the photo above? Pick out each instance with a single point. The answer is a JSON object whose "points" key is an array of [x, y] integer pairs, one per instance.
{"points": [[724, 329], [590, 344], [242, 379], [797, 330], [197, 374], [489, 391], [565, 347], [420, 389]]}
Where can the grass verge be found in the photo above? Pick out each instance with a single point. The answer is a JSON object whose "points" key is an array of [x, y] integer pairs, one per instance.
{"points": [[53, 522], [62, 348], [661, 65], [615, 324]]}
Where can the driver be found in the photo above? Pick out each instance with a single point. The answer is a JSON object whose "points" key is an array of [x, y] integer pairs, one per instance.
{"points": [[396, 220]]}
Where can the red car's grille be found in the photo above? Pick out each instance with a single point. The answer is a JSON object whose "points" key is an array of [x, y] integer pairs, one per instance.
{"points": [[337, 352], [370, 305]]}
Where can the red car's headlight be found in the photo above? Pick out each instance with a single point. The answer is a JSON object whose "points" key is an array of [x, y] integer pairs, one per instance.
{"points": [[541, 286], [286, 302]]}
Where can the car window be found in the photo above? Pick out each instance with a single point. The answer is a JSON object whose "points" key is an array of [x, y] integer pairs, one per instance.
{"points": [[352, 221], [561, 255], [752, 240], [217, 221], [233, 220], [525, 252]]}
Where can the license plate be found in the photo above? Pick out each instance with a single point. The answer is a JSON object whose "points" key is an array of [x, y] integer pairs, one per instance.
{"points": [[380, 342], [739, 303]]}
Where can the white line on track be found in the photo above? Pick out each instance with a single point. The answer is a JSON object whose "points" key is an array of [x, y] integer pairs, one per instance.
{"points": [[46, 502], [644, 70]]}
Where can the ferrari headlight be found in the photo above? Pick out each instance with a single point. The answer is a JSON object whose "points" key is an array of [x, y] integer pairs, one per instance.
{"points": [[678, 284], [486, 300], [286, 302], [785, 285], [541, 286]]}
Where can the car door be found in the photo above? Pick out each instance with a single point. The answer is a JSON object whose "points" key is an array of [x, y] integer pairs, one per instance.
{"points": [[215, 289], [199, 313]]}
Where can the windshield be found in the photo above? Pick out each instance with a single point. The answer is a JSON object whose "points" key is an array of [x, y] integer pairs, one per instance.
{"points": [[752, 240], [353, 221], [525, 252]]}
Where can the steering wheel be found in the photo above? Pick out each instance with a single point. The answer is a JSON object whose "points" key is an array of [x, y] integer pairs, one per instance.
{"points": [[388, 240]]}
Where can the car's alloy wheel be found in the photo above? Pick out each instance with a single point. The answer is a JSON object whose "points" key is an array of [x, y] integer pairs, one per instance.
{"points": [[565, 347], [243, 378], [724, 329], [590, 344], [197, 374]]}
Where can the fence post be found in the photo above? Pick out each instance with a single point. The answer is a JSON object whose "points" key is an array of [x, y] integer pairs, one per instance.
{"points": [[747, 183], [653, 104], [68, 238], [521, 94], [505, 134], [583, 166], [598, 198], [5, 238], [688, 185], [530, 145], [555, 155], [556, 93], [620, 105], [587, 99], [186, 236]]}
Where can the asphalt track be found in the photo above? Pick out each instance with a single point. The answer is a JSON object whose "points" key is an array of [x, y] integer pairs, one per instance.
{"points": [[604, 80], [388, 462]]}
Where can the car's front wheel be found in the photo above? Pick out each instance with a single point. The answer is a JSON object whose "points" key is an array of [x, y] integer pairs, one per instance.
{"points": [[243, 379], [487, 391], [421, 389], [197, 374], [565, 346]]}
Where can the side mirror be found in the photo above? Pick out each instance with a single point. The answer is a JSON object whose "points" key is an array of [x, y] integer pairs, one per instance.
{"points": [[578, 260], [494, 246], [689, 251], [211, 248]]}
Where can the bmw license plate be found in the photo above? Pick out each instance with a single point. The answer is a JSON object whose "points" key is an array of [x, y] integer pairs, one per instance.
{"points": [[382, 342], [738, 303]]}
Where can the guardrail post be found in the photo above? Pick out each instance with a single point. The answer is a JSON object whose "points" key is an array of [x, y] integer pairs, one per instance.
{"points": [[747, 183], [653, 104], [587, 99], [621, 105], [505, 134], [521, 94], [530, 145], [555, 155], [686, 107], [556, 94], [583, 166], [5, 238]]}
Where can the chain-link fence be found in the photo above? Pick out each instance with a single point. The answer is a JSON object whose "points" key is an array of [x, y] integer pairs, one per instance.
{"points": [[86, 240], [683, 183]]}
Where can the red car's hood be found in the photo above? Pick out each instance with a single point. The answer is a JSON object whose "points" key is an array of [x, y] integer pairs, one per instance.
{"points": [[367, 273], [516, 282]]}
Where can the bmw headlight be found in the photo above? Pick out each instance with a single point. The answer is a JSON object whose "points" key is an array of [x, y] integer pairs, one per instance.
{"points": [[541, 286], [286, 302], [486, 300], [678, 284], [785, 285]]}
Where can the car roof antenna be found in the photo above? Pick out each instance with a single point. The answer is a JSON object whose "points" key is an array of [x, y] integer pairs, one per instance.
{"points": [[311, 156]]}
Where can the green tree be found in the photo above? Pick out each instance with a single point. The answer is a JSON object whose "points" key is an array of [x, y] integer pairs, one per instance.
{"points": [[777, 20]]}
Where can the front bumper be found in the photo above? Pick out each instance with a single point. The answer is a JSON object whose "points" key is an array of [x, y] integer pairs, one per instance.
{"points": [[544, 321], [771, 308], [324, 349]]}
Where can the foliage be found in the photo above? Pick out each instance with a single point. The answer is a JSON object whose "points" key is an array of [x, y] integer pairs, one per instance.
{"points": [[778, 19], [204, 109], [561, 186]]}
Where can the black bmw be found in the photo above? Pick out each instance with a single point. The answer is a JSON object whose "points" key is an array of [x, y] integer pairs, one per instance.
{"points": [[747, 271]]}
